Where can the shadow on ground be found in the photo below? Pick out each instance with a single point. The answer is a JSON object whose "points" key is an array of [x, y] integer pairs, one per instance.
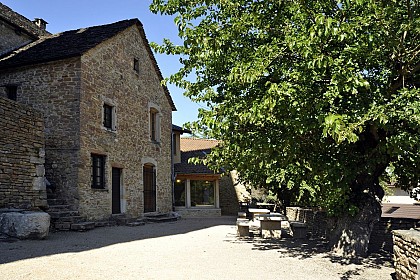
{"points": [[73, 242], [311, 248]]}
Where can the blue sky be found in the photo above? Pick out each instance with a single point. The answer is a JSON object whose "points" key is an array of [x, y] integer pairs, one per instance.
{"points": [[74, 14]]}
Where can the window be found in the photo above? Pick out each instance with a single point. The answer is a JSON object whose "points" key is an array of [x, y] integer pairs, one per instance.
{"points": [[98, 171], [202, 193], [108, 116], [179, 192], [154, 125], [11, 92], [136, 66]]}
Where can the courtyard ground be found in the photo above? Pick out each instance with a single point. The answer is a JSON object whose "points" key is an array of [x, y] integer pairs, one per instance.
{"points": [[196, 248]]}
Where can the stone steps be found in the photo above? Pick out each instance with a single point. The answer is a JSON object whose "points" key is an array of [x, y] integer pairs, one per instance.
{"points": [[161, 217], [58, 208], [64, 219], [55, 201], [136, 224], [83, 226], [60, 214]]}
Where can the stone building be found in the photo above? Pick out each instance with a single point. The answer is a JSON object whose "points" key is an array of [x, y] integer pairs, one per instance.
{"points": [[17, 31], [107, 117], [199, 191]]}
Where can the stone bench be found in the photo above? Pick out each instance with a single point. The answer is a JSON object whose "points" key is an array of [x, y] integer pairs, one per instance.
{"points": [[299, 229], [242, 226]]}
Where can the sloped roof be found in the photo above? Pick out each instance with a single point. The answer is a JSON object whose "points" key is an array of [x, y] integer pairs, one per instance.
{"points": [[407, 211], [180, 129], [20, 22], [75, 43], [191, 148], [63, 45], [196, 144]]}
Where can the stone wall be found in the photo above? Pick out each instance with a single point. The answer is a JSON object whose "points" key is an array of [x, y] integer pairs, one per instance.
{"points": [[231, 193], [407, 254], [198, 212], [10, 39], [316, 220], [108, 76], [228, 199], [381, 237], [54, 89], [22, 182]]}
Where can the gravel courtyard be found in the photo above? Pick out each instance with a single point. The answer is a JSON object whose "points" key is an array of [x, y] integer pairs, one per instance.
{"points": [[196, 248]]}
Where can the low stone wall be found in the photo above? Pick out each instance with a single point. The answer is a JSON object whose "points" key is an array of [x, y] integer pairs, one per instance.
{"points": [[198, 212], [381, 237], [22, 157], [315, 220], [407, 254]]}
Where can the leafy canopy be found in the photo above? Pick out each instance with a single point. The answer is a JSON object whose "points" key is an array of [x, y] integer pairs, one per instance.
{"points": [[318, 99]]}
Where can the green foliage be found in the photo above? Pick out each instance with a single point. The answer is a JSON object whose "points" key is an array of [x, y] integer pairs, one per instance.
{"points": [[311, 98]]}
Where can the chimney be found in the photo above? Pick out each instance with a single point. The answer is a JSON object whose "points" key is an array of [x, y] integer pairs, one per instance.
{"points": [[42, 24]]}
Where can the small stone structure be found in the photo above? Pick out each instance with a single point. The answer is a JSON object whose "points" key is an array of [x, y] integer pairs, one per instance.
{"points": [[22, 157], [315, 220], [24, 224], [79, 79], [381, 237], [299, 229], [406, 253]]}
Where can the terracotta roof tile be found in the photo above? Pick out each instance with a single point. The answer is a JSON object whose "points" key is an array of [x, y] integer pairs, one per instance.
{"points": [[194, 147], [196, 144]]}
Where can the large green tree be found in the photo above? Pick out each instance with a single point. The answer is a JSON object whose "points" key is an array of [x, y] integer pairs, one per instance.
{"points": [[317, 99]]}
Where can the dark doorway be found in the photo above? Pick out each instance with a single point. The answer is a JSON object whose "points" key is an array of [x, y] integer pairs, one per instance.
{"points": [[116, 190], [149, 182]]}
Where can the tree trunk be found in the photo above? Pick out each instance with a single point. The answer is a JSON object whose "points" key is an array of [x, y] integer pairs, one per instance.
{"points": [[351, 234]]}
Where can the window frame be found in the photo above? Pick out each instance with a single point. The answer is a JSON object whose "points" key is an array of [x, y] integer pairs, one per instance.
{"points": [[195, 188], [98, 171], [154, 125], [108, 118]]}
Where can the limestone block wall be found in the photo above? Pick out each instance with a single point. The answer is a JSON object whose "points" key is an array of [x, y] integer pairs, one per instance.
{"points": [[199, 212], [54, 89], [406, 253], [108, 77], [381, 237], [22, 157]]}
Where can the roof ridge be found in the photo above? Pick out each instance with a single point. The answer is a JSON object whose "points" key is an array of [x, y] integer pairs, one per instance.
{"points": [[21, 21], [134, 20]]}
